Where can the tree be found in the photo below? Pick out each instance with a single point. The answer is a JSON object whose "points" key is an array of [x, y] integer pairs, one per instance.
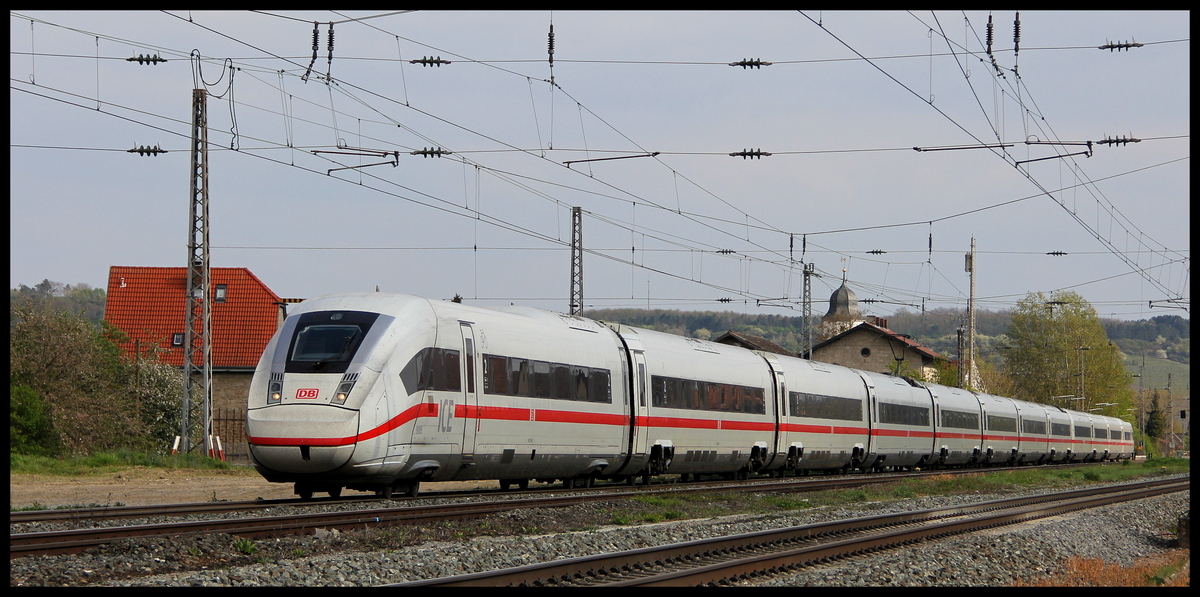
{"points": [[30, 428], [1059, 354], [75, 367], [1156, 420]]}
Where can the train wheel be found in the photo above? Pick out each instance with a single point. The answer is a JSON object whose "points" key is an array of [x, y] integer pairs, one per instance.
{"points": [[523, 484], [304, 491], [335, 492], [411, 489], [384, 492], [505, 484]]}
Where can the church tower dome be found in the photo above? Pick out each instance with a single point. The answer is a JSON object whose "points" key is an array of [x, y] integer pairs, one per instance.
{"points": [[843, 305]]}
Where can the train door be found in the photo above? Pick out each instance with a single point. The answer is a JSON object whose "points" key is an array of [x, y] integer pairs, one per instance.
{"points": [[778, 450], [639, 408], [472, 420], [868, 455]]}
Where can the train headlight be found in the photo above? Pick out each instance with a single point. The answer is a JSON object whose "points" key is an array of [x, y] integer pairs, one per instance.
{"points": [[343, 389], [275, 389]]}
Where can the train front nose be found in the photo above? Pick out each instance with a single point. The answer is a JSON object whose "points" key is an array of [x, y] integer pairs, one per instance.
{"points": [[301, 438]]}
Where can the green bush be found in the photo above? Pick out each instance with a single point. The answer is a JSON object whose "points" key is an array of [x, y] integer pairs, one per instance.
{"points": [[30, 426]]}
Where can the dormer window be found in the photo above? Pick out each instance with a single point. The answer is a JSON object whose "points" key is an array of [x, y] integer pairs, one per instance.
{"points": [[220, 297], [177, 339]]}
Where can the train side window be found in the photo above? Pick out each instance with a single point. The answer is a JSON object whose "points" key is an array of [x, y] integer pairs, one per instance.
{"points": [[756, 403], [642, 381], [562, 381], [998, 423], [432, 369], [519, 383], [902, 414], [415, 373], [598, 386], [960, 420], [446, 372], [470, 346], [712, 396], [495, 375], [579, 383], [691, 394], [542, 382]]}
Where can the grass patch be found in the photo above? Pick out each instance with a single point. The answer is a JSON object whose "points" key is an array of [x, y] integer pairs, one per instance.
{"points": [[786, 502], [246, 546], [109, 462]]}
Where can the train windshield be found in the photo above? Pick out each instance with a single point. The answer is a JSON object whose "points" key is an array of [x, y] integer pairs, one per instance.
{"points": [[326, 341]]}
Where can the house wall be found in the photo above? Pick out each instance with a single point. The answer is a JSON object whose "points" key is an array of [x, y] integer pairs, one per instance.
{"points": [[848, 352]]}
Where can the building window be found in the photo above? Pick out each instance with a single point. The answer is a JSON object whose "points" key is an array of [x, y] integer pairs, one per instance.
{"points": [[177, 340], [220, 298], [865, 352]]}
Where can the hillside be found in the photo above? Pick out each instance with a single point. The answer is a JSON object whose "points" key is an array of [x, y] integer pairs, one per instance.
{"points": [[1165, 340]]}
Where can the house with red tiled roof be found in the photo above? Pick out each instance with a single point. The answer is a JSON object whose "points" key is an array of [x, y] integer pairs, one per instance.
{"points": [[149, 304], [865, 342], [875, 348], [751, 342]]}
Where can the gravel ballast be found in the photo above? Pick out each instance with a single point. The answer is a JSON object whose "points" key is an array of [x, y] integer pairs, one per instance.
{"points": [[1119, 534]]}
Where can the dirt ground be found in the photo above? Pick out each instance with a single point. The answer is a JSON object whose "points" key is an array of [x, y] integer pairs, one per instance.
{"points": [[142, 486]]}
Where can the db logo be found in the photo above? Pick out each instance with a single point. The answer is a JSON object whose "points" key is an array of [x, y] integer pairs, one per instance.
{"points": [[307, 393]]}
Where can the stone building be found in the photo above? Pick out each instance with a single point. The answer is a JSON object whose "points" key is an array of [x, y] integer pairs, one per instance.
{"points": [[863, 342]]}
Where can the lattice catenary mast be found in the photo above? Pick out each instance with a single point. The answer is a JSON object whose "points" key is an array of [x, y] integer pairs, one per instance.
{"points": [[198, 333]]}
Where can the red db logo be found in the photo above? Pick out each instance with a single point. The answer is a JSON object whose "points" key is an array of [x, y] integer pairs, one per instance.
{"points": [[307, 393]]}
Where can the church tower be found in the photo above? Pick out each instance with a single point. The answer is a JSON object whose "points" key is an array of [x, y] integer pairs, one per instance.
{"points": [[843, 311]]}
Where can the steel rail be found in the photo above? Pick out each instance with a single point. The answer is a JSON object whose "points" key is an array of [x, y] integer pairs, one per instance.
{"points": [[716, 560], [188, 509]]}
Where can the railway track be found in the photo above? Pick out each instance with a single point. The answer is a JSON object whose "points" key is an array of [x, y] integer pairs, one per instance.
{"points": [[727, 560], [798, 484], [76, 540]]}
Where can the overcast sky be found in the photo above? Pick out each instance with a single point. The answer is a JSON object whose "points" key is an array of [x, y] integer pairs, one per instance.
{"points": [[676, 222]]}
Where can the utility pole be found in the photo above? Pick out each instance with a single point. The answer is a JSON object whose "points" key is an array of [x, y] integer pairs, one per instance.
{"points": [[810, 270], [576, 257], [970, 364], [198, 333]]}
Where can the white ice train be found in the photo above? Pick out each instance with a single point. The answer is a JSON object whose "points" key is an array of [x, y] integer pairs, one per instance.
{"points": [[378, 392]]}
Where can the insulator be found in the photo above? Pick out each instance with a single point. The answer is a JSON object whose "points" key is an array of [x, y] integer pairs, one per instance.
{"points": [[989, 35], [550, 43], [144, 59], [331, 38], [142, 150], [316, 38], [751, 63], [1017, 33]]}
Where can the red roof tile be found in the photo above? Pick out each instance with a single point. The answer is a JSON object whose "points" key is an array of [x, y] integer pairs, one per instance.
{"points": [[150, 304]]}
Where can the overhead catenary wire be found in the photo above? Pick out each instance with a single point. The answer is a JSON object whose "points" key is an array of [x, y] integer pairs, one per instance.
{"points": [[677, 210]]}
